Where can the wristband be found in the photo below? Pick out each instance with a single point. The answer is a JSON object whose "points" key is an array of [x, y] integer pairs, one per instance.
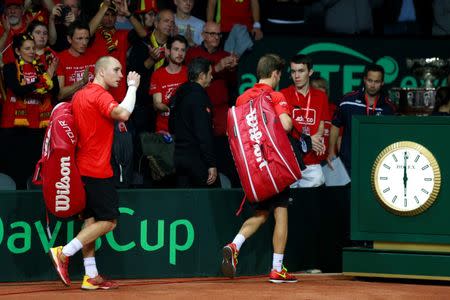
{"points": [[131, 82], [257, 25]]}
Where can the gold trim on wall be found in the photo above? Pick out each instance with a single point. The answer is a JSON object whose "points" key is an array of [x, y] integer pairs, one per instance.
{"points": [[405, 276], [411, 246]]}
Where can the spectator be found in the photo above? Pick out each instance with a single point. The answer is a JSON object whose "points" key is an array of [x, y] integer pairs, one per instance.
{"points": [[231, 12], [287, 16], [30, 87], [369, 100], [76, 65], [62, 16], [348, 16], [222, 92], [441, 17], [39, 32], [143, 117], [309, 113], [188, 26], [165, 81], [194, 158], [109, 40], [164, 27], [321, 84], [38, 10], [13, 23], [405, 17]]}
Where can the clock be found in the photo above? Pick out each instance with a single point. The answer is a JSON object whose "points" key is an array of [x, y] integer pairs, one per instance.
{"points": [[406, 178]]}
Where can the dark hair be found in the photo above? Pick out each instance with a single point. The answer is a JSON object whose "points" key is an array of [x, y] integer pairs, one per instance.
{"points": [[77, 25], [302, 59], [19, 39], [374, 68], [176, 38], [32, 26], [442, 97], [197, 66], [267, 64]]}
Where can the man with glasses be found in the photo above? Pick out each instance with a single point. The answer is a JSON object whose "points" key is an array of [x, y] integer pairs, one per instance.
{"points": [[222, 92]]}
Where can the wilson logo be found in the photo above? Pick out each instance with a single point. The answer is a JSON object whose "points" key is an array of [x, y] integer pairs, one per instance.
{"points": [[62, 197], [255, 136]]}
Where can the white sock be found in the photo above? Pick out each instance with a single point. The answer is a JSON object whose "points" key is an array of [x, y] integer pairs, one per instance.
{"points": [[277, 262], [90, 267], [72, 247], [239, 240]]}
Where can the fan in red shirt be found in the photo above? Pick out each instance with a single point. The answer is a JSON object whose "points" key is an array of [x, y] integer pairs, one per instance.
{"points": [[309, 113], [165, 81], [94, 111], [232, 12], [14, 24], [76, 64], [112, 41], [224, 83]]}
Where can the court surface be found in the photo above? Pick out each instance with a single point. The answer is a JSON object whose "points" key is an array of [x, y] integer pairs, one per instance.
{"points": [[321, 286]]}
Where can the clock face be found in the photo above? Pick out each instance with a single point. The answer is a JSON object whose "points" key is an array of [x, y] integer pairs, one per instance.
{"points": [[406, 178]]}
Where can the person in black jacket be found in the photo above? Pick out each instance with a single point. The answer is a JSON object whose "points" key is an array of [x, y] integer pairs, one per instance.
{"points": [[191, 121]]}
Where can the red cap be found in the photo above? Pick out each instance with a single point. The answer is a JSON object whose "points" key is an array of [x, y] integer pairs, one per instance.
{"points": [[13, 2], [144, 6]]}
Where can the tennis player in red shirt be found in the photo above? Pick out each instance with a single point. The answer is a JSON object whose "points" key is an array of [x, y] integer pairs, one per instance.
{"points": [[94, 111], [268, 71]]}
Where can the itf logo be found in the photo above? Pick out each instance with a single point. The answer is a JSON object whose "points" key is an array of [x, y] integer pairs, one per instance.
{"points": [[351, 73]]}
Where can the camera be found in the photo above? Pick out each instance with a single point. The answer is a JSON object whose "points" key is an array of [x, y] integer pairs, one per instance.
{"points": [[65, 10]]}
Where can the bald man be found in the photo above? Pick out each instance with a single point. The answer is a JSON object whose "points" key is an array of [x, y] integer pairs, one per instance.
{"points": [[94, 111]]}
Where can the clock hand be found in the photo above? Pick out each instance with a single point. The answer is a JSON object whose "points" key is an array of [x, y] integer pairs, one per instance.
{"points": [[405, 176]]}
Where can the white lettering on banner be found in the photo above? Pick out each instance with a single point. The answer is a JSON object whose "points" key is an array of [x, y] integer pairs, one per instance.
{"points": [[255, 136], [68, 131], [62, 202]]}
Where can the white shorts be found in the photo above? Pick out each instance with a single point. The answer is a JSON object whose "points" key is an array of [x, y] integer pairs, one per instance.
{"points": [[312, 176]]}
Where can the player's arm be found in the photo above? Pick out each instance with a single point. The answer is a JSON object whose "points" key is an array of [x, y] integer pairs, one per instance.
{"points": [[286, 122], [123, 111], [334, 134], [157, 103], [210, 10]]}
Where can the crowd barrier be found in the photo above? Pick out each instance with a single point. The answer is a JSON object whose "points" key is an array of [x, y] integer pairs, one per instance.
{"points": [[174, 233]]}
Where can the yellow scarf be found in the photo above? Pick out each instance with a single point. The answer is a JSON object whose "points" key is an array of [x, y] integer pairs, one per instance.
{"points": [[154, 44]]}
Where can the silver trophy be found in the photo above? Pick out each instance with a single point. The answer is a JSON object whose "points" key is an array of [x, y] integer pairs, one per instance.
{"points": [[428, 69]]}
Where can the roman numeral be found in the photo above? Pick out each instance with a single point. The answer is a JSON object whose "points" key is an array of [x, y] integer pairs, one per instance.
{"points": [[425, 167], [383, 178], [425, 191], [386, 190], [417, 200], [394, 157], [386, 166], [428, 179], [393, 199], [417, 158]]}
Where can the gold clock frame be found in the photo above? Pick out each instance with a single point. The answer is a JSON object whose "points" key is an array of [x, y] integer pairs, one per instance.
{"points": [[436, 170]]}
